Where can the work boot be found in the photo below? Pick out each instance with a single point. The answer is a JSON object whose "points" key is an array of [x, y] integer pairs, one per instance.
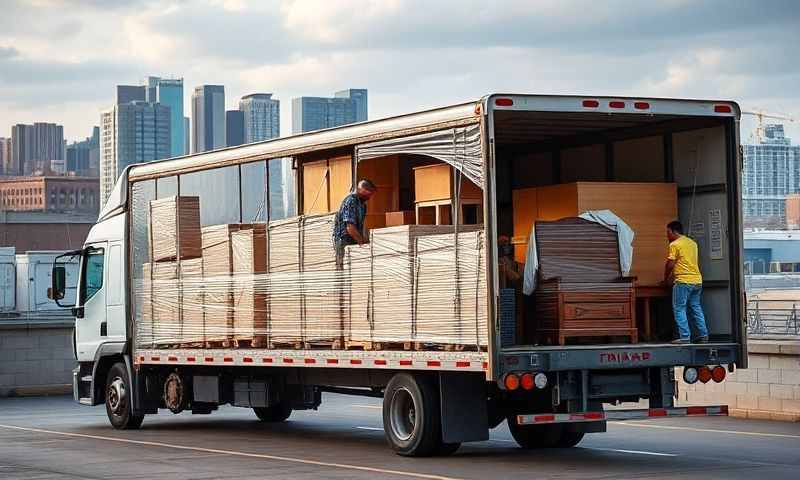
{"points": [[681, 341], [703, 339]]}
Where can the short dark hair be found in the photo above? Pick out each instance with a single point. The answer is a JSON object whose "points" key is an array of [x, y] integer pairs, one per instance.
{"points": [[367, 184], [675, 226]]}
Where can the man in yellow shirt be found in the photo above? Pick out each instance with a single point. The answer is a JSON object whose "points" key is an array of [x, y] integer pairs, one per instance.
{"points": [[683, 270]]}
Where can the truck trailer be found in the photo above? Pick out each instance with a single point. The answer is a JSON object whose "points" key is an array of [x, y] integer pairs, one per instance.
{"points": [[211, 279]]}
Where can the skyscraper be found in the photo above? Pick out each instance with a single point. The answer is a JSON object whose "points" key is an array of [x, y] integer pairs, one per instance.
{"points": [[262, 117], [6, 156], [359, 98], [130, 133], [234, 128], [187, 136], [771, 171], [37, 147], [82, 156], [169, 92], [208, 118], [130, 93], [316, 113]]}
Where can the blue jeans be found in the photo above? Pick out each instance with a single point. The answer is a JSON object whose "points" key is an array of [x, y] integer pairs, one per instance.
{"points": [[687, 295]]}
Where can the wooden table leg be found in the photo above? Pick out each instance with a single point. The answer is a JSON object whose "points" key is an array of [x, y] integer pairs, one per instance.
{"points": [[646, 305]]}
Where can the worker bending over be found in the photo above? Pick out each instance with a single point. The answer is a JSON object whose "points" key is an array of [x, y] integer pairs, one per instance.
{"points": [[348, 228], [682, 269]]}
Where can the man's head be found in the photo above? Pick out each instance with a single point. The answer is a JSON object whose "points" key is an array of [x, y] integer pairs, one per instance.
{"points": [[674, 230], [365, 190], [504, 246]]}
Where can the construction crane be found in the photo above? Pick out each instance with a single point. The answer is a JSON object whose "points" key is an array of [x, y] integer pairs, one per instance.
{"points": [[758, 135]]}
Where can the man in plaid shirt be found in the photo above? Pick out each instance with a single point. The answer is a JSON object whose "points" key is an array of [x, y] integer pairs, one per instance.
{"points": [[348, 227]]}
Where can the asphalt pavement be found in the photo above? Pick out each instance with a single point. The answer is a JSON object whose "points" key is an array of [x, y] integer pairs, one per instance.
{"points": [[54, 438]]}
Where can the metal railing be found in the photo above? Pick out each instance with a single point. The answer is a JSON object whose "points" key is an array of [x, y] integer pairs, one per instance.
{"points": [[773, 317]]}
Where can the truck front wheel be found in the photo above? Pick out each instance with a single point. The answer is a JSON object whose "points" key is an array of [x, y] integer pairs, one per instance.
{"points": [[275, 413], [411, 417], [118, 399]]}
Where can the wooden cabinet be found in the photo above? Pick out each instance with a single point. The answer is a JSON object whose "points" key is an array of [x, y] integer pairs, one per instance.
{"points": [[434, 196], [325, 183]]}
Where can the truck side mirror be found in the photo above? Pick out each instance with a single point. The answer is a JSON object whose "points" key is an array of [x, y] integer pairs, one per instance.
{"points": [[59, 284]]}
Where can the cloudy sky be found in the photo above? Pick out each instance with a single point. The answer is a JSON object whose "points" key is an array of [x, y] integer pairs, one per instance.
{"points": [[60, 60]]}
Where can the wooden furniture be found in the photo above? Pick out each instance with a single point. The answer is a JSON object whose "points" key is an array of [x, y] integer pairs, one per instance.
{"points": [[403, 217], [645, 207], [644, 295], [581, 292], [434, 196]]}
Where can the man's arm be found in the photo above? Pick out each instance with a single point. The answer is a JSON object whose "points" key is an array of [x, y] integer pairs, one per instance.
{"points": [[668, 267], [355, 234]]}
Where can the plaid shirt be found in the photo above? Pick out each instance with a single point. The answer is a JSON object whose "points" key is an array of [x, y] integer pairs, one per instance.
{"points": [[353, 211]]}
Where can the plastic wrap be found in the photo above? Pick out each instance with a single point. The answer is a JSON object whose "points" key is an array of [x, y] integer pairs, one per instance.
{"points": [[172, 217], [278, 285]]}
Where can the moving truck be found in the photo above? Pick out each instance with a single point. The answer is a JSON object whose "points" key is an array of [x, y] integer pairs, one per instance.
{"points": [[199, 286]]}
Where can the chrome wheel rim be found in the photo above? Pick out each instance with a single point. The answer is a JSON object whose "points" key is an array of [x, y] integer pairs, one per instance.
{"points": [[403, 414], [116, 396]]}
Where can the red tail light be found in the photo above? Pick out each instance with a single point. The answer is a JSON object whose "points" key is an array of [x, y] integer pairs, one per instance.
{"points": [[641, 106], [722, 108], [591, 103], [704, 374], [527, 381], [504, 102], [616, 104], [511, 381], [718, 373]]}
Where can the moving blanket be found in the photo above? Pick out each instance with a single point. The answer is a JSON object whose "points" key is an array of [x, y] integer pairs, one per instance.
{"points": [[606, 218]]}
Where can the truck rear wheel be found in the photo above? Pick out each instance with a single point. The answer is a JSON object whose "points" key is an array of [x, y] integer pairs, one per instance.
{"points": [[411, 417], [535, 436], [118, 399], [275, 413]]}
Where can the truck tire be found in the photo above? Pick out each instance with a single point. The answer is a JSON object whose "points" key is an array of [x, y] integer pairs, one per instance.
{"points": [[536, 436], [411, 417], [570, 439], [118, 395], [273, 414]]}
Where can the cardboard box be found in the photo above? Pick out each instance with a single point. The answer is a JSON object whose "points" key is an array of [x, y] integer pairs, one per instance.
{"points": [[435, 182], [144, 307], [171, 219], [358, 293], [192, 301], [217, 251], [645, 207], [322, 282], [403, 217], [250, 284], [285, 295], [166, 303]]}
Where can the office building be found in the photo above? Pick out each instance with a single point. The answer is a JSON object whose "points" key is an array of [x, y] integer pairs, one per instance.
{"points": [[50, 194], [208, 118], [36, 147], [771, 171], [130, 93], [316, 113], [83, 157], [187, 136], [262, 117], [234, 128], [169, 92], [5, 156], [130, 133]]}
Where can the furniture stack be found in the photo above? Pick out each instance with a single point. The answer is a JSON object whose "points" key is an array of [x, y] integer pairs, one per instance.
{"points": [[435, 196]]}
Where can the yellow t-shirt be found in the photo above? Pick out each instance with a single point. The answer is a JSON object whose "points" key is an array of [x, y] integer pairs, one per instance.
{"points": [[683, 251]]}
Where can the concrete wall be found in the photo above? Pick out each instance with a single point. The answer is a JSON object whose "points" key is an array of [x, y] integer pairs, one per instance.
{"points": [[36, 357], [768, 389]]}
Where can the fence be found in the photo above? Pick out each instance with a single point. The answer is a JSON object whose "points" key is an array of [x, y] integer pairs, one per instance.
{"points": [[773, 317]]}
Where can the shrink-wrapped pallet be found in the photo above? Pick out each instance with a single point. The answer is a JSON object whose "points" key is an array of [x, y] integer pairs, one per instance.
{"points": [[450, 289], [165, 300], [286, 297], [175, 228], [192, 301], [357, 269], [144, 307], [250, 285], [322, 282]]}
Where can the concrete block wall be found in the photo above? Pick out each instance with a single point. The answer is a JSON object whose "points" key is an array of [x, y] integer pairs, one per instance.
{"points": [[36, 359], [768, 389]]}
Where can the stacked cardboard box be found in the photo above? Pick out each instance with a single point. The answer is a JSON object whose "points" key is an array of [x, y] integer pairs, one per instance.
{"points": [[358, 285], [144, 307], [192, 300], [165, 299], [322, 281], [286, 296], [250, 284], [217, 269], [173, 219]]}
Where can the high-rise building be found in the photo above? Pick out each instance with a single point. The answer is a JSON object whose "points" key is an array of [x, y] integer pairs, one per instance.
{"points": [[6, 157], [130, 133], [130, 93], [771, 171], [187, 136], [234, 128], [262, 117], [316, 113], [169, 92], [36, 147], [83, 157], [208, 118]]}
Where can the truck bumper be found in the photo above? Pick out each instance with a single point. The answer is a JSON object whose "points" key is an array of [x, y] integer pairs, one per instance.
{"points": [[618, 415]]}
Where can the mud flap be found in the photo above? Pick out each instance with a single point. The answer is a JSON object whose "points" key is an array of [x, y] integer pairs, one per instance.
{"points": [[463, 400]]}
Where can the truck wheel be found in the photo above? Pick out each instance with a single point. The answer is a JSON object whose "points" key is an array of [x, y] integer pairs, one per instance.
{"points": [[118, 399], [411, 416], [570, 439], [273, 414], [536, 436]]}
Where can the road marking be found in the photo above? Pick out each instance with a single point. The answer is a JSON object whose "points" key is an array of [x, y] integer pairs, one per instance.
{"points": [[279, 458], [709, 430], [637, 452], [376, 407], [371, 428]]}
